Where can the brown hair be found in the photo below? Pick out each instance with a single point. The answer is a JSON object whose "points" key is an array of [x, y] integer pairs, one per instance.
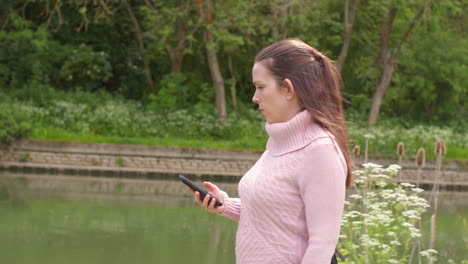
{"points": [[317, 83]]}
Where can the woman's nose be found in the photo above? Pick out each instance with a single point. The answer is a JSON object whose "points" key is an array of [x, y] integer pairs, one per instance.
{"points": [[255, 98]]}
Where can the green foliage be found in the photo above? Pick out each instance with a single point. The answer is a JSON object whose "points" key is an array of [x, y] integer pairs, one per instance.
{"points": [[120, 162], [25, 158], [180, 91], [14, 124], [96, 117], [417, 96], [385, 137], [26, 60], [86, 69], [95, 114], [40, 59]]}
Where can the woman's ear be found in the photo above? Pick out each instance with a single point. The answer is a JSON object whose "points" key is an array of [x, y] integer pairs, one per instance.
{"points": [[291, 92]]}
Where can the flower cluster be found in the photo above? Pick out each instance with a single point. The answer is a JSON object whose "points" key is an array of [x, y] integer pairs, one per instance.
{"points": [[381, 217]]}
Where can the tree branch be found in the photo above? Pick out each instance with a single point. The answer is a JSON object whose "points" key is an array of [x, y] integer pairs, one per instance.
{"points": [[408, 31], [349, 22]]}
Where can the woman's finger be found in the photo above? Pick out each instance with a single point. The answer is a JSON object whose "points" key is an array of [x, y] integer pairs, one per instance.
{"points": [[212, 204], [206, 201], [210, 186], [197, 198]]}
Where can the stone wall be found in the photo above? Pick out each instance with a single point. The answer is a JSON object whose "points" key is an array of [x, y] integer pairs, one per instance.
{"points": [[163, 163]]}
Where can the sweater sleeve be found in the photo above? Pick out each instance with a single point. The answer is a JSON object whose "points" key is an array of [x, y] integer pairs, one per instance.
{"points": [[322, 186], [232, 208]]}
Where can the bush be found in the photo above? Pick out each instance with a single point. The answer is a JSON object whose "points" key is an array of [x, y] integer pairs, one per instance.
{"points": [[100, 114], [14, 124]]}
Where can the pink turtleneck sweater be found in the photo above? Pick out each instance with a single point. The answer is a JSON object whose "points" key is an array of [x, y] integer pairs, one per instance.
{"points": [[291, 201]]}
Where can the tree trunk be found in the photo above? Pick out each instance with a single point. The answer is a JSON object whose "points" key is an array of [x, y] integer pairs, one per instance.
{"points": [[177, 53], [349, 22], [388, 58], [380, 92], [283, 17], [141, 47], [279, 14], [233, 82], [213, 59], [216, 76]]}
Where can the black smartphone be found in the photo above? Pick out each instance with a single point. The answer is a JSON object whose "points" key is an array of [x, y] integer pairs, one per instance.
{"points": [[202, 192]]}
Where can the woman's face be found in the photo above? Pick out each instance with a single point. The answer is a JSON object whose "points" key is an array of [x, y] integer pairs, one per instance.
{"points": [[274, 101]]}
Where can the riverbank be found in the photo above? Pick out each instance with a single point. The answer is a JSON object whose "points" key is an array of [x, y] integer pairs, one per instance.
{"points": [[94, 118], [126, 161]]}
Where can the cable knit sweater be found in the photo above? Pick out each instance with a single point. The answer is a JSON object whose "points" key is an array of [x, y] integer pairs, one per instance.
{"points": [[291, 201]]}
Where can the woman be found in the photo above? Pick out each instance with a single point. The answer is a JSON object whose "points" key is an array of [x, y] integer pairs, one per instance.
{"points": [[291, 201]]}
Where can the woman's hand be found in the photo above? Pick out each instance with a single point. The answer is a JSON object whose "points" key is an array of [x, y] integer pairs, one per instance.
{"points": [[210, 206]]}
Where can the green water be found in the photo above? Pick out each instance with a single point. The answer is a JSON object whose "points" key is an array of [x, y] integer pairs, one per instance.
{"points": [[64, 232], [56, 232]]}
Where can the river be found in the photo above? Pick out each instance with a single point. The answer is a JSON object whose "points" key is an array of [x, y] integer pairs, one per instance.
{"points": [[48, 230]]}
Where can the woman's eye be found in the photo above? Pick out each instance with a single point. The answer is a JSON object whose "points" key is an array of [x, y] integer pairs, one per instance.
{"points": [[259, 87]]}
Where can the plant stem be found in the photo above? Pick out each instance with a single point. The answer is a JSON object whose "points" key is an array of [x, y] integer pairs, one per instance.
{"points": [[418, 176], [435, 192], [401, 168], [367, 147]]}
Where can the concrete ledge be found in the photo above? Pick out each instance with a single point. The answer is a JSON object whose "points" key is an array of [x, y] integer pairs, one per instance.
{"points": [[132, 150]]}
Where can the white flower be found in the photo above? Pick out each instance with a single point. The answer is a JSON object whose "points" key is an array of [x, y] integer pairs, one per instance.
{"points": [[412, 214], [406, 224], [428, 253], [417, 190], [358, 172], [414, 232], [355, 196], [409, 185], [370, 165], [394, 167]]}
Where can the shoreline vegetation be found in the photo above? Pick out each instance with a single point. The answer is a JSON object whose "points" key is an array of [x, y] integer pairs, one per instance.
{"points": [[101, 118]]}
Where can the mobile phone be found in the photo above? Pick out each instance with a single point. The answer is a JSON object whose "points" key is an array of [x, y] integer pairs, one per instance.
{"points": [[202, 192]]}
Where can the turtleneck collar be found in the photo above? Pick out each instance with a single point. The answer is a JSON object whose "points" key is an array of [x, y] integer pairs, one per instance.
{"points": [[293, 134]]}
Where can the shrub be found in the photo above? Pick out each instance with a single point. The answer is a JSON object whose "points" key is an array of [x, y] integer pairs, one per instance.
{"points": [[14, 124]]}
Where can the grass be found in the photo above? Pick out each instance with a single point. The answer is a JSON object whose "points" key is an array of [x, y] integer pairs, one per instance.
{"points": [[383, 145], [56, 134]]}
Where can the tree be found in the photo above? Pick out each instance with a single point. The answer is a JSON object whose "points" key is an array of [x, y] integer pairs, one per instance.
{"points": [[206, 11], [175, 26], [387, 56]]}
